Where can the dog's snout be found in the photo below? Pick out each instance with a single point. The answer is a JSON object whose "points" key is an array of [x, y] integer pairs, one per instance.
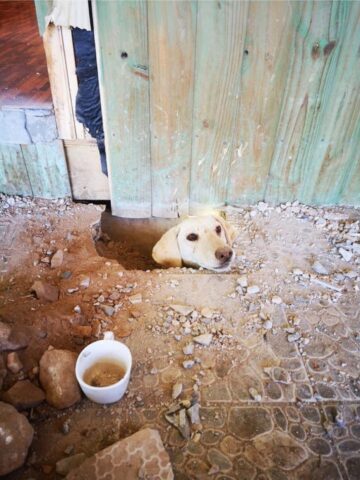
{"points": [[223, 254]]}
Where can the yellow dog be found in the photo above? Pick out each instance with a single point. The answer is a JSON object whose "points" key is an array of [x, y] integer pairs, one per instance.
{"points": [[203, 241]]}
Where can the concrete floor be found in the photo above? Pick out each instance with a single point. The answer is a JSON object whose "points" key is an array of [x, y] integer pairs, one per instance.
{"points": [[278, 387]]}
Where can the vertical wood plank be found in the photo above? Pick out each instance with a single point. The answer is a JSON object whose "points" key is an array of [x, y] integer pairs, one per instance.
{"points": [[46, 169], [264, 70], [332, 150], [87, 180], [59, 84], [69, 57], [350, 194], [314, 120], [304, 68], [14, 178], [172, 28], [221, 28], [122, 52]]}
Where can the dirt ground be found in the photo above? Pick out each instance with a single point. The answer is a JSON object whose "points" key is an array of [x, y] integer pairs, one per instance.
{"points": [[278, 386]]}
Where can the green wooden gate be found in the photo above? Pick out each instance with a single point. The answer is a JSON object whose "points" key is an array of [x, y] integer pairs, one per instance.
{"points": [[209, 103]]}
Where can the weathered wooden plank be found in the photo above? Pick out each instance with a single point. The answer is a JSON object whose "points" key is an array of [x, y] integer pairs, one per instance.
{"points": [[318, 105], [304, 65], [221, 28], [264, 72], [87, 180], [172, 29], [46, 169], [122, 52], [14, 178], [350, 194], [332, 147], [59, 83], [69, 58]]}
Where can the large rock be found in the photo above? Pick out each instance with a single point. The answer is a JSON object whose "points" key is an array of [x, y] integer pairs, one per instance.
{"points": [[140, 456], [57, 377], [24, 395], [57, 259], [44, 291], [16, 435], [11, 338]]}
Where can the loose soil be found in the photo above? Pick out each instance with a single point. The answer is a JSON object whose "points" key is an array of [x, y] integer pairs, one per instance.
{"points": [[278, 386]]}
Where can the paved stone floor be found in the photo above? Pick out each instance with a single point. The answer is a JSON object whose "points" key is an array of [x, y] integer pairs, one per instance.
{"points": [[278, 386]]}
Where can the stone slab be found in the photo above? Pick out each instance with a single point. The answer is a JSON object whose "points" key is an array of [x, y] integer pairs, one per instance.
{"points": [[13, 127], [141, 455], [41, 125]]}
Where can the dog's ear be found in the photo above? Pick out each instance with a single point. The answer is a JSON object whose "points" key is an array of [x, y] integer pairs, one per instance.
{"points": [[166, 252], [230, 231]]}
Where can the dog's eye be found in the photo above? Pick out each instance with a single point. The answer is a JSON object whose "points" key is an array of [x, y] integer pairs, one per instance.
{"points": [[218, 229], [192, 237]]}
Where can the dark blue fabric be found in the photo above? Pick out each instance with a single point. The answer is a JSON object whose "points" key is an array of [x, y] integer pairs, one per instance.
{"points": [[88, 107]]}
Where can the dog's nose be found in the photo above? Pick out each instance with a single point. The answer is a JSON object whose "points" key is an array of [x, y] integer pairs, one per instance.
{"points": [[223, 254]]}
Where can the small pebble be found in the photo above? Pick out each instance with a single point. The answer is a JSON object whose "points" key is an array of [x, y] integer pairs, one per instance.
{"points": [[188, 349], [319, 268], [65, 465], [204, 339], [66, 275], [13, 363], [188, 364], [57, 259], [135, 299], [242, 281], [65, 428], [108, 310], [176, 390], [69, 449], [253, 289], [254, 394], [268, 325], [84, 281], [345, 254], [298, 272], [293, 337], [207, 312], [72, 290]]}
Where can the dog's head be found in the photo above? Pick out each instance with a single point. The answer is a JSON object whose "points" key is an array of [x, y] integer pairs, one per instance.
{"points": [[198, 242]]}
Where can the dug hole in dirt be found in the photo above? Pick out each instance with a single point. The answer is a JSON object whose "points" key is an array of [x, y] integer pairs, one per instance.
{"points": [[129, 241], [249, 374]]}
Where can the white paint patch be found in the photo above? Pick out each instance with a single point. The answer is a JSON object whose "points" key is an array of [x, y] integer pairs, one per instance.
{"points": [[241, 149]]}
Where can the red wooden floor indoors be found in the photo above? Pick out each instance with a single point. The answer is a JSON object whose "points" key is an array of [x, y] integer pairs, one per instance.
{"points": [[24, 80]]}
